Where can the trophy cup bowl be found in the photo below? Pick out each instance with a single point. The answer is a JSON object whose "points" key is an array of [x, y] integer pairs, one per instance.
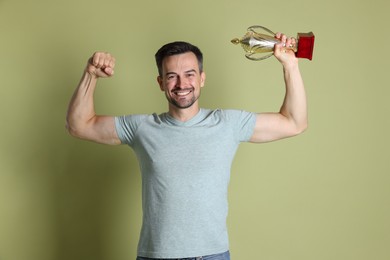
{"points": [[260, 46]]}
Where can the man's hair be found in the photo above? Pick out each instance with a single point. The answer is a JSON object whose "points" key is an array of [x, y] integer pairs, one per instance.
{"points": [[175, 48]]}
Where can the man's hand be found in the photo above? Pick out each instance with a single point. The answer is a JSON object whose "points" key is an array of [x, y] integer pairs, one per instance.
{"points": [[101, 65], [283, 50]]}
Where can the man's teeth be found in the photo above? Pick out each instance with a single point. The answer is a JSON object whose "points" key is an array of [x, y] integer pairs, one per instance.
{"points": [[183, 93]]}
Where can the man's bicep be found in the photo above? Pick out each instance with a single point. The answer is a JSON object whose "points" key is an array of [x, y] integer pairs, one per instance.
{"points": [[101, 129], [271, 127]]}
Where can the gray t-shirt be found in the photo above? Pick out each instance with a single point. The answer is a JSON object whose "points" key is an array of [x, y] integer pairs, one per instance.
{"points": [[185, 170]]}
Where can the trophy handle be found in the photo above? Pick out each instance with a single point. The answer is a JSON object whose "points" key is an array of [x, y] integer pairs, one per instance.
{"points": [[249, 56], [251, 28]]}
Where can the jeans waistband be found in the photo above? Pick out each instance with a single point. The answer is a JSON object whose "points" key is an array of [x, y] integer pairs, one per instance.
{"points": [[222, 256]]}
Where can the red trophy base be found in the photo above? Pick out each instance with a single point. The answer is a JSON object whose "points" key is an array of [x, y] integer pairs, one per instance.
{"points": [[305, 45]]}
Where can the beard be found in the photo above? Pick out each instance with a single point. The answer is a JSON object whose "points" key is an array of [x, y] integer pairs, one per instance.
{"points": [[185, 103]]}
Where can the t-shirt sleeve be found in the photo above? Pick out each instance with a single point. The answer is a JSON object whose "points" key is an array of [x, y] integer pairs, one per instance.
{"points": [[126, 127], [243, 123]]}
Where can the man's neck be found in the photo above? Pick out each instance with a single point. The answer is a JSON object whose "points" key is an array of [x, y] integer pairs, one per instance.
{"points": [[183, 114]]}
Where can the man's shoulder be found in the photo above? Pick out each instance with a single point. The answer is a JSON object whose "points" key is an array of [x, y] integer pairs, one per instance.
{"points": [[133, 121]]}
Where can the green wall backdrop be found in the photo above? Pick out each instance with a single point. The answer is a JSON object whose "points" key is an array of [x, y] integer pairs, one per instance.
{"points": [[322, 195]]}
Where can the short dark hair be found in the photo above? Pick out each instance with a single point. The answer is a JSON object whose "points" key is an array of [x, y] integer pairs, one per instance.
{"points": [[175, 48]]}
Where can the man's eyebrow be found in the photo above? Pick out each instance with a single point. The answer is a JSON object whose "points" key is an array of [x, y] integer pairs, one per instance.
{"points": [[186, 72], [170, 73]]}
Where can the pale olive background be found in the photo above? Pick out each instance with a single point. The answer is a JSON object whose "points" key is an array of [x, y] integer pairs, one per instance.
{"points": [[322, 195]]}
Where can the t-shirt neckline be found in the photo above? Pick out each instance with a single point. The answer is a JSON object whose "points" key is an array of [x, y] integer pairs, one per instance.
{"points": [[193, 121]]}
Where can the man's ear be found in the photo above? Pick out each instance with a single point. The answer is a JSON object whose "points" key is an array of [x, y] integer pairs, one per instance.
{"points": [[202, 78], [159, 80]]}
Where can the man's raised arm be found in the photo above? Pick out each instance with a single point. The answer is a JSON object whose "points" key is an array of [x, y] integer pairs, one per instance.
{"points": [[292, 117], [82, 121]]}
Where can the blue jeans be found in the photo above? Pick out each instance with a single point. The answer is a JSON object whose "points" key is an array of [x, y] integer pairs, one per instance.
{"points": [[223, 256]]}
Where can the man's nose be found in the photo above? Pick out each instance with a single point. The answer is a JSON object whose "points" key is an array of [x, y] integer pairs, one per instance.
{"points": [[180, 82]]}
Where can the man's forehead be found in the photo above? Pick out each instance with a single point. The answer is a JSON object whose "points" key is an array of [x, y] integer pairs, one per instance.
{"points": [[184, 61]]}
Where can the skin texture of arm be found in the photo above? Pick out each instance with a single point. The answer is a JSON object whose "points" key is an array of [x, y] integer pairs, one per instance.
{"points": [[82, 121]]}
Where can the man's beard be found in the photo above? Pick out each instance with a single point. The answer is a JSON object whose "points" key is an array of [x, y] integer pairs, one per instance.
{"points": [[182, 105]]}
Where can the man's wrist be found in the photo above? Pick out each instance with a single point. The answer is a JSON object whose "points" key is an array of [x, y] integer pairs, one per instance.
{"points": [[91, 74], [291, 66]]}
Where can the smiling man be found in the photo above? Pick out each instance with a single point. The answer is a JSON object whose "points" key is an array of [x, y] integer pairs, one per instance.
{"points": [[185, 154], [181, 79]]}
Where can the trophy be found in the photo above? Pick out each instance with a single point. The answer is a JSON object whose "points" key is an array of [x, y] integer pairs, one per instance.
{"points": [[258, 45]]}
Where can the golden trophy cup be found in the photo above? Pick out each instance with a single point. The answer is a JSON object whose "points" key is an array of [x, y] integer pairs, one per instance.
{"points": [[260, 46]]}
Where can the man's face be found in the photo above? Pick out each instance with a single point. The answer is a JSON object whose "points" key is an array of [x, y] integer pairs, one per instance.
{"points": [[181, 79]]}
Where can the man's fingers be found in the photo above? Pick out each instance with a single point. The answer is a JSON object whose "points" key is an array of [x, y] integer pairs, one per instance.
{"points": [[286, 43], [95, 59], [109, 71], [291, 42], [101, 64], [103, 59], [112, 62]]}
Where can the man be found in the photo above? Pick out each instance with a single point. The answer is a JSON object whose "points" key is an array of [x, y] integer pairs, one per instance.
{"points": [[185, 154]]}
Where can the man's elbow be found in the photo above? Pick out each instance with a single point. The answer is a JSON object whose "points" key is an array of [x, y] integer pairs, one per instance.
{"points": [[74, 129], [302, 127], [71, 130]]}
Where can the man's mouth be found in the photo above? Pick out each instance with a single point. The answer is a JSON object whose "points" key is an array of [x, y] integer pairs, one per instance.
{"points": [[183, 92]]}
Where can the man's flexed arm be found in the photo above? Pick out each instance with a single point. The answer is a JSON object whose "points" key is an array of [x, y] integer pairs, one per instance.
{"points": [[82, 121], [292, 117]]}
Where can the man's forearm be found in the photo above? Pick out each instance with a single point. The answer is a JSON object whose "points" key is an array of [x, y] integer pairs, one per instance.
{"points": [[81, 107], [295, 105]]}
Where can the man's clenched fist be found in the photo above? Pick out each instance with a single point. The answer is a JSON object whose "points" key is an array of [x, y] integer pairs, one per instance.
{"points": [[101, 65]]}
